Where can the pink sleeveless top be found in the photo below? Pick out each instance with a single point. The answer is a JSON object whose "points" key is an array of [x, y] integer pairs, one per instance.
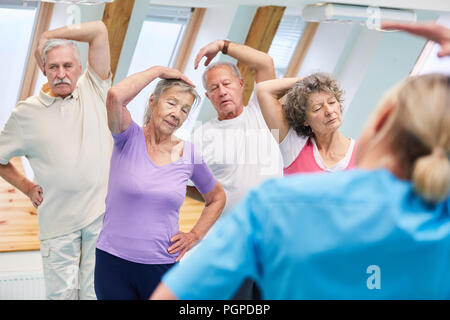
{"points": [[305, 161]]}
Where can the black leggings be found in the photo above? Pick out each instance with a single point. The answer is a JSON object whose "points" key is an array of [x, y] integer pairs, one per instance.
{"points": [[119, 279]]}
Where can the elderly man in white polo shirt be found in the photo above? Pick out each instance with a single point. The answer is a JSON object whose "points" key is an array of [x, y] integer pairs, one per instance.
{"points": [[63, 132]]}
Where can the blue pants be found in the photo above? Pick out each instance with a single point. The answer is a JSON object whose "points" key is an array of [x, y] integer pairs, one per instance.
{"points": [[119, 279]]}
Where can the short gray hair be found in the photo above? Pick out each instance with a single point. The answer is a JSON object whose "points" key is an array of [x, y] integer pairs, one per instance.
{"points": [[166, 84], [55, 43], [230, 65]]}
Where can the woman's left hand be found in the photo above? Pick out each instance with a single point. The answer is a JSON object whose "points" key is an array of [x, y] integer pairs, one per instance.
{"points": [[182, 242], [169, 73]]}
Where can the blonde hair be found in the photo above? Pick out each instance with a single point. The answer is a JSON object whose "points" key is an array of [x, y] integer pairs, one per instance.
{"points": [[420, 128]]}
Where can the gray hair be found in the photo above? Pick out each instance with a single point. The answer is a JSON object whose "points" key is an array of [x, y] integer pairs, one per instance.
{"points": [[55, 43], [166, 84], [230, 65], [297, 97]]}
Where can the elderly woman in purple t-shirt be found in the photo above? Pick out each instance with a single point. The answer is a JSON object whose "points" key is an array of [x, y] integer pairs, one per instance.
{"points": [[149, 171]]}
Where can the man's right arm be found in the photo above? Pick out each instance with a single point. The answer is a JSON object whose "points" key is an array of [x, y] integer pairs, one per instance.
{"points": [[14, 177], [257, 60], [94, 33]]}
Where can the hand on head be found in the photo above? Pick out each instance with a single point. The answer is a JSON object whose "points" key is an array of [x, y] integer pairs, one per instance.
{"points": [[430, 31], [169, 73]]}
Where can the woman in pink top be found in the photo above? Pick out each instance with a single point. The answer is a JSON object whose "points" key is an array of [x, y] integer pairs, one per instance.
{"points": [[307, 124]]}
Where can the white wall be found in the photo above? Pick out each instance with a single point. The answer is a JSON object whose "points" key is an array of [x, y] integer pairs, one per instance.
{"points": [[326, 48], [353, 70]]}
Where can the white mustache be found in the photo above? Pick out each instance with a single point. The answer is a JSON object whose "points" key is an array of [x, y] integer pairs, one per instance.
{"points": [[64, 80]]}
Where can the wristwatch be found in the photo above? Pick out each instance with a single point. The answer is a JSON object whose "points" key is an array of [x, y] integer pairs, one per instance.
{"points": [[226, 43]]}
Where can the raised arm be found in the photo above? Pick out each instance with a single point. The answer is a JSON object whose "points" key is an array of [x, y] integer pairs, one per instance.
{"points": [[257, 60], [94, 33], [430, 31], [269, 94], [214, 204], [14, 177], [122, 93]]}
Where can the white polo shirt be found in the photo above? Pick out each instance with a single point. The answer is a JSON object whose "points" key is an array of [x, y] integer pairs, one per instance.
{"points": [[68, 145]]}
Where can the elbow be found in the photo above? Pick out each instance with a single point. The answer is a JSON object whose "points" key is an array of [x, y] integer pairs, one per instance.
{"points": [[101, 27], [268, 62], [113, 97]]}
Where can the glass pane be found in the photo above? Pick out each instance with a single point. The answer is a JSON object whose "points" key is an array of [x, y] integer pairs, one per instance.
{"points": [[16, 30], [153, 48], [285, 42]]}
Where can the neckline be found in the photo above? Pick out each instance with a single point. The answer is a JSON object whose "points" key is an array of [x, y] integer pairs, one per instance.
{"points": [[227, 121], [153, 162], [338, 166]]}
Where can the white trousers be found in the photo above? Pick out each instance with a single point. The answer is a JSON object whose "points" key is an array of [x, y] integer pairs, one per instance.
{"points": [[69, 263]]}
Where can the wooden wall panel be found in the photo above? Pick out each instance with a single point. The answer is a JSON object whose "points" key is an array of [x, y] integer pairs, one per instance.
{"points": [[262, 31], [32, 69], [116, 17], [189, 39]]}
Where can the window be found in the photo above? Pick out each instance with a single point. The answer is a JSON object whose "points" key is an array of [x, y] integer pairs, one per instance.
{"points": [[16, 30], [158, 43], [428, 61], [285, 41]]}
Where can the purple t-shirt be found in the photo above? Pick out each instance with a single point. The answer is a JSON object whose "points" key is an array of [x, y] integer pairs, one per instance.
{"points": [[144, 199]]}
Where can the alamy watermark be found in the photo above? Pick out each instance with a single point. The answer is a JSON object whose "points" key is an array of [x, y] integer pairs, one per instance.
{"points": [[373, 21], [248, 147], [374, 280]]}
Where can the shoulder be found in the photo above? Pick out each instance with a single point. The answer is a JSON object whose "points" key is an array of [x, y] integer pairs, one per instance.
{"points": [[90, 80], [315, 187], [26, 108], [192, 153], [131, 132]]}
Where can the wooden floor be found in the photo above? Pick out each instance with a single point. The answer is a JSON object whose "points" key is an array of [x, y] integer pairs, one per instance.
{"points": [[19, 222]]}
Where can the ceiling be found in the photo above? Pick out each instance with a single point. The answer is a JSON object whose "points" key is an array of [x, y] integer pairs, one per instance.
{"points": [[433, 5]]}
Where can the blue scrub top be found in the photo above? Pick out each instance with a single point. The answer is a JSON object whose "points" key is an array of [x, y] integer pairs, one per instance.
{"points": [[346, 235]]}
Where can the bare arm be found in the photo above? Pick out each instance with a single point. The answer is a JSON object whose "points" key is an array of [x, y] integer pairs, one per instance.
{"points": [[94, 33], [268, 94], [121, 94], [259, 61], [162, 292], [430, 31], [214, 204], [14, 177]]}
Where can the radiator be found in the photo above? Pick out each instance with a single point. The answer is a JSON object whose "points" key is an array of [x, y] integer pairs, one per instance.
{"points": [[22, 286]]}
